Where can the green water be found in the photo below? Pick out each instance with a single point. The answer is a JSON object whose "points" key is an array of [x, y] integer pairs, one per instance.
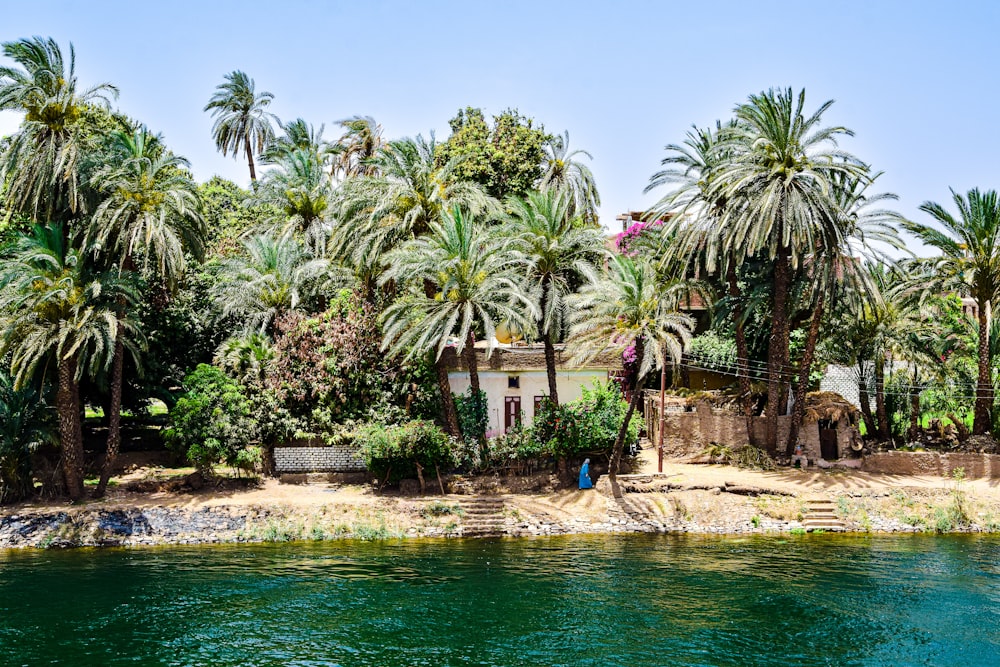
{"points": [[800, 600]]}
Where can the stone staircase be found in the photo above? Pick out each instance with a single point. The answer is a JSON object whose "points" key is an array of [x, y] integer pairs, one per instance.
{"points": [[483, 517], [821, 514]]}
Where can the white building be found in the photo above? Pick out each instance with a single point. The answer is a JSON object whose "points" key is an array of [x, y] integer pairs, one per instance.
{"points": [[515, 380]]}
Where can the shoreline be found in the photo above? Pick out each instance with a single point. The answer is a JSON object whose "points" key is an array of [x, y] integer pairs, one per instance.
{"points": [[677, 503]]}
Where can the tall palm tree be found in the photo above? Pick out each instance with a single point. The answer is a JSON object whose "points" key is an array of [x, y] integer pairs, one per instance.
{"points": [[376, 213], [359, 146], [969, 265], [563, 171], [475, 285], [695, 236], [242, 123], [843, 272], [150, 210], [778, 169], [627, 308], [53, 311], [40, 166], [560, 254]]}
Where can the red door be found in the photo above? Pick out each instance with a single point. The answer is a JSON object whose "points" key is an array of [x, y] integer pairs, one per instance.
{"points": [[511, 411]]}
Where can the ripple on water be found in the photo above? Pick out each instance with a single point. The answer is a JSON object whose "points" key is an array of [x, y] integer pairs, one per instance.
{"points": [[607, 600]]}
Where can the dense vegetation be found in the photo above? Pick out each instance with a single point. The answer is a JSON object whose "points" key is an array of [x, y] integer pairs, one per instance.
{"points": [[318, 304]]}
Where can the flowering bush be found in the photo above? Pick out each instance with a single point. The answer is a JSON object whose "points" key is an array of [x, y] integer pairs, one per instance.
{"points": [[631, 241]]}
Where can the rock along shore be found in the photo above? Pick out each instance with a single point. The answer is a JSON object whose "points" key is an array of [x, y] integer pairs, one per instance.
{"points": [[644, 505]]}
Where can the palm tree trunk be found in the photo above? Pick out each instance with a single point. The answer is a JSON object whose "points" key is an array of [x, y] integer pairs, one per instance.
{"points": [[550, 368], [984, 385], [470, 361], [447, 400], [799, 407], [865, 401], [777, 347], [253, 173], [742, 352], [883, 417], [616, 452], [115, 416], [550, 350], [70, 428]]}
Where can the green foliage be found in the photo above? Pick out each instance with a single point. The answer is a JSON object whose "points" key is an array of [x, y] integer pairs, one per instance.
{"points": [[473, 414], [506, 159], [212, 422], [587, 426], [330, 369], [229, 213], [25, 423], [393, 453], [713, 350], [753, 458]]}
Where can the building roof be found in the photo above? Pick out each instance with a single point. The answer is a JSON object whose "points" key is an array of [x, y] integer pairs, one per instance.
{"points": [[528, 358]]}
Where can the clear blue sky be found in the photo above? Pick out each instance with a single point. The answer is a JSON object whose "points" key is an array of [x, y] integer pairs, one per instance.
{"points": [[916, 81]]}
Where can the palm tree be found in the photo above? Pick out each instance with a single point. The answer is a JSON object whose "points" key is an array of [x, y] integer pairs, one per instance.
{"points": [[777, 171], [839, 272], [299, 135], [562, 171], [300, 187], [275, 277], [474, 278], [695, 236], [150, 210], [40, 166], [376, 213], [969, 265], [242, 123], [627, 308], [359, 146], [561, 255], [53, 311]]}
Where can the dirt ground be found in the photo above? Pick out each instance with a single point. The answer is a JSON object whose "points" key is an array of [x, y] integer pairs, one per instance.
{"points": [[559, 504]]}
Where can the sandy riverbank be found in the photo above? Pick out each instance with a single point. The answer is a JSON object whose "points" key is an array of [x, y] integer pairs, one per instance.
{"points": [[684, 498]]}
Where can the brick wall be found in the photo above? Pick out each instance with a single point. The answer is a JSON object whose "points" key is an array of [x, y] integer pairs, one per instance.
{"points": [[337, 458], [932, 463]]}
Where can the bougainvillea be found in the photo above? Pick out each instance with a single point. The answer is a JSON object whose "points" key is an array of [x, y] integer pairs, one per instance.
{"points": [[630, 241]]}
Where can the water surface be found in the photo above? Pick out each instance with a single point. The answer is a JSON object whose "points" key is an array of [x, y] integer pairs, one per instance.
{"points": [[637, 601]]}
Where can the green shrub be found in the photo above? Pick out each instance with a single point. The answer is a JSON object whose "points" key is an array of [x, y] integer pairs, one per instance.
{"points": [[393, 453], [587, 426], [25, 423], [212, 422], [473, 414]]}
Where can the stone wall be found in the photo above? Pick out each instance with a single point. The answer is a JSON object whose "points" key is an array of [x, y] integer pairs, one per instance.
{"points": [[686, 435], [932, 463], [335, 458]]}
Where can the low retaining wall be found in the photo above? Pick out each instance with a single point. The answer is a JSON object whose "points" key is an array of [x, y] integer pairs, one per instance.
{"points": [[335, 458], [932, 463]]}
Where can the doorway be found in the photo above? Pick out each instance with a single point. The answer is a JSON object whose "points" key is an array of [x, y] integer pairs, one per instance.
{"points": [[828, 440]]}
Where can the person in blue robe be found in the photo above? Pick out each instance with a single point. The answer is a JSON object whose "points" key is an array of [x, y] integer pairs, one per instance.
{"points": [[585, 482]]}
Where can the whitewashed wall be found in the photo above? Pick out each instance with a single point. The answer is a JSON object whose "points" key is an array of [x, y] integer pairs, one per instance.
{"points": [[533, 383]]}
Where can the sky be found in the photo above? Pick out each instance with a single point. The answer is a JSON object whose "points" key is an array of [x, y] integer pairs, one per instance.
{"points": [[916, 81]]}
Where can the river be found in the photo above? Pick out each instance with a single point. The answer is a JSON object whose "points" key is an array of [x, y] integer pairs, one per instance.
{"points": [[605, 600]]}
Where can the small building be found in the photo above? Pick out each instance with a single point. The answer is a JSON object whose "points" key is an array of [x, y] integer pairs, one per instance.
{"points": [[515, 380], [691, 424]]}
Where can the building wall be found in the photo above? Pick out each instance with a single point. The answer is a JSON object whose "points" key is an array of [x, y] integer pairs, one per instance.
{"points": [[532, 383]]}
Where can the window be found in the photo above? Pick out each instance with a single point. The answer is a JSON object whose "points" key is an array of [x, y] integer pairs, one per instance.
{"points": [[513, 382]]}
